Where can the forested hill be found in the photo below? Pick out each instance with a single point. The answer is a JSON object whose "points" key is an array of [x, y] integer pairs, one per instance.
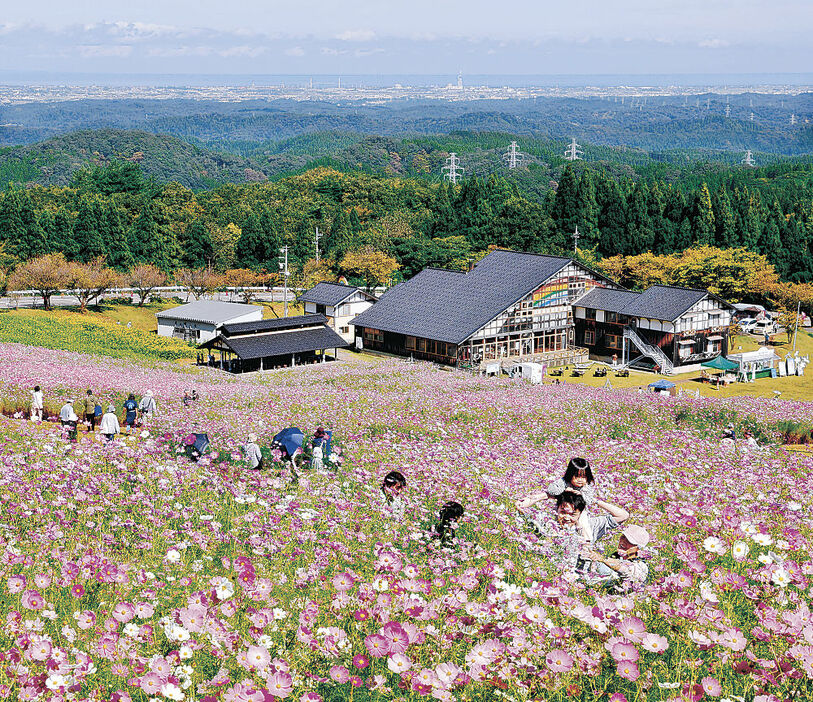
{"points": [[164, 158], [757, 122]]}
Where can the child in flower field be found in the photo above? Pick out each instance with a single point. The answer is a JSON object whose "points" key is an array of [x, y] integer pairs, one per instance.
{"points": [[578, 478], [36, 404], [625, 565], [391, 489], [130, 407], [448, 518]]}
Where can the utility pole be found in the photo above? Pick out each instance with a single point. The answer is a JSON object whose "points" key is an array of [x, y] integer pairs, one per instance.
{"points": [[796, 325], [792, 119], [573, 151], [727, 110], [513, 157], [576, 236], [283, 268], [316, 237], [453, 167]]}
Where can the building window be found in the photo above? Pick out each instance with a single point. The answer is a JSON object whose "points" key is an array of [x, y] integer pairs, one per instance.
{"points": [[373, 336], [611, 317], [589, 314], [410, 343], [613, 341], [344, 330], [421, 344], [589, 337]]}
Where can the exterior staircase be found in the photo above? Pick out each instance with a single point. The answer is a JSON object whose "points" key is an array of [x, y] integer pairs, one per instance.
{"points": [[649, 351]]}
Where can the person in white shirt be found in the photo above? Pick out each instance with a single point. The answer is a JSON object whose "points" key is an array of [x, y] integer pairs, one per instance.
{"points": [[147, 405], [253, 454], [109, 425], [67, 415], [36, 404], [391, 501]]}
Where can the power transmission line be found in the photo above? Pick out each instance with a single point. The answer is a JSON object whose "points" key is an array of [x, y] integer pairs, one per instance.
{"points": [[748, 159]]}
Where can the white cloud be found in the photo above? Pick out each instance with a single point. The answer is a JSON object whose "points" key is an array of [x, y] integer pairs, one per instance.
{"points": [[713, 44], [356, 35], [236, 51], [361, 53], [295, 51], [176, 51]]}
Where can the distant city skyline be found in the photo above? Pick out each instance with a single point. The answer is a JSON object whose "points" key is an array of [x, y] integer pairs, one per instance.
{"points": [[367, 36]]}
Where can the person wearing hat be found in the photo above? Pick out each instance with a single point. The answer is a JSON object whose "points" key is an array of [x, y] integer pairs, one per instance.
{"points": [[68, 418], [749, 439], [147, 405], [109, 426], [625, 564], [253, 454]]}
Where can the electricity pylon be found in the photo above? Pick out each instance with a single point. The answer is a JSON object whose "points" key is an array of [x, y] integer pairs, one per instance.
{"points": [[748, 159], [453, 167], [573, 151], [513, 157]]}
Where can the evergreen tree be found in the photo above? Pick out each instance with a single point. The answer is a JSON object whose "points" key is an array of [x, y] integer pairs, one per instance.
{"points": [[12, 230], [197, 251], [702, 217], [257, 247], [61, 236], [724, 224], [147, 242], [770, 241], [87, 231], [445, 217], [587, 211], [640, 235], [612, 217], [749, 219], [341, 238], [676, 229], [565, 212], [119, 255]]}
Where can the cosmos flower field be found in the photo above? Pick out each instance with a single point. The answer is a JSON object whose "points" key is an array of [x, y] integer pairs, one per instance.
{"points": [[129, 572]]}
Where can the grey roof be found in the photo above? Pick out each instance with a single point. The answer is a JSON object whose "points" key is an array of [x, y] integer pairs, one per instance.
{"points": [[331, 294], [451, 306], [283, 343], [664, 302], [211, 311], [267, 325]]}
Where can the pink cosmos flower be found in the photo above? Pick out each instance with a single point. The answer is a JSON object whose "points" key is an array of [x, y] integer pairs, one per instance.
{"points": [[623, 651], [340, 674], [151, 684], [397, 638], [16, 584], [633, 628], [377, 645], [192, 618], [40, 651], [654, 643], [258, 657], [123, 612], [280, 685], [31, 599], [342, 582], [559, 661], [361, 661], [711, 686], [618, 697], [77, 590], [311, 697], [398, 663], [85, 620], [628, 670]]}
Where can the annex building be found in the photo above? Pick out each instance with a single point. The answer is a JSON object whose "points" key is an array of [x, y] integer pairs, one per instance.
{"points": [[272, 343], [201, 320], [339, 304], [550, 309]]}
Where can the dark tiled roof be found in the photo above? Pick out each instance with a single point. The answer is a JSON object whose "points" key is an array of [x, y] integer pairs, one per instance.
{"points": [[663, 302], [283, 343], [607, 299], [450, 306], [267, 325], [330, 294]]}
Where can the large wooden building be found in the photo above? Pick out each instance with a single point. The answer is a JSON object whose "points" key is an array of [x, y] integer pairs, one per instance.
{"points": [[670, 327], [545, 308], [339, 304], [510, 304]]}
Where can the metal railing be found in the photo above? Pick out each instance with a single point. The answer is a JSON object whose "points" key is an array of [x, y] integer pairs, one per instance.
{"points": [[653, 352]]}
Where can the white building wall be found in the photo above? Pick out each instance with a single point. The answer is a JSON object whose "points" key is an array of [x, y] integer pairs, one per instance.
{"points": [[200, 332]]}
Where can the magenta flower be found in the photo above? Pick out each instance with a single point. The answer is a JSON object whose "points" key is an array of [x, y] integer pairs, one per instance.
{"points": [[31, 599], [377, 645], [361, 661]]}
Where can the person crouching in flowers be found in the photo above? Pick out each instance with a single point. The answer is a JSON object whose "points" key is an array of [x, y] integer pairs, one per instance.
{"points": [[391, 491], [448, 518], [69, 419], [252, 453], [625, 565]]}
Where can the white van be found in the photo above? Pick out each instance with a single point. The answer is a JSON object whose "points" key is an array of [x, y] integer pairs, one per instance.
{"points": [[762, 326]]}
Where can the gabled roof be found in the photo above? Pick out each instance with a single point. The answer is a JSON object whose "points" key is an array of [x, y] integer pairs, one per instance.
{"points": [[283, 343], [450, 306], [210, 311], [331, 294], [664, 302], [268, 325]]}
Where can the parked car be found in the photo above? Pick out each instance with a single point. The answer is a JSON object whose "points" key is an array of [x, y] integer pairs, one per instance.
{"points": [[746, 322], [763, 326]]}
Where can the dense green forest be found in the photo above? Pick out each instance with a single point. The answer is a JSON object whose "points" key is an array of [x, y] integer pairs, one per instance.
{"points": [[117, 212]]}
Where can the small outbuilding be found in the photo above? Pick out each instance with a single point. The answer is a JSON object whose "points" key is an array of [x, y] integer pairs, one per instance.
{"points": [[339, 304], [200, 321], [272, 343]]}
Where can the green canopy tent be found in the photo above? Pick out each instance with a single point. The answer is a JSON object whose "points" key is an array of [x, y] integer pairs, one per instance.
{"points": [[721, 363]]}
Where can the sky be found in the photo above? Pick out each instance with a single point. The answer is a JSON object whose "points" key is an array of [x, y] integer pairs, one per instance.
{"points": [[408, 36]]}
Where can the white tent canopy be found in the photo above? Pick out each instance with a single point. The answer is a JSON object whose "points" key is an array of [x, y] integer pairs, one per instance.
{"points": [[764, 357]]}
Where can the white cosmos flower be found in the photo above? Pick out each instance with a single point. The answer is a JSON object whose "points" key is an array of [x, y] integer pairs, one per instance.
{"points": [[707, 592], [763, 539], [173, 556], [781, 577], [740, 550]]}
